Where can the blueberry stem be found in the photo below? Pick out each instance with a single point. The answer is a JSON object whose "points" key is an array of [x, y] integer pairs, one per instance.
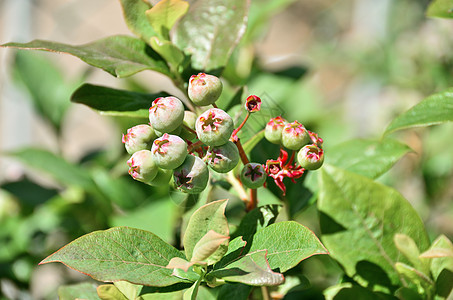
{"points": [[190, 129], [253, 200], [240, 126], [194, 146]]}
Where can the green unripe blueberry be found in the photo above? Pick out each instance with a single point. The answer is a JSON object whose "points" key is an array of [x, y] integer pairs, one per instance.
{"points": [[190, 118], [192, 176], [295, 136], [166, 114], [223, 158], [214, 127], [138, 138], [169, 151], [310, 157], [142, 166], [253, 175], [273, 130], [204, 89], [162, 178]]}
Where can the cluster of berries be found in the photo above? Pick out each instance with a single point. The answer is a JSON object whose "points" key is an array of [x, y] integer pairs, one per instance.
{"points": [[181, 144], [293, 136]]}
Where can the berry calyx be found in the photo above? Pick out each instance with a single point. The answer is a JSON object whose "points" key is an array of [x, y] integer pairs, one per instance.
{"points": [[223, 158], [310, 157], [166, 114], [142, 166], [253, 103], [138, 138], [295, 136], [273, 130], [192, 176], [169, 151], [204, 89], [214, 127], [253, 175]]}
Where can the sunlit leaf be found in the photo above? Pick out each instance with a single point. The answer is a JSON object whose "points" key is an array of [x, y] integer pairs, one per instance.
{"points": [[252, 269], [134, 12], [287, 243], [119, 55], [164, 15], [370, 158], [210, 31], [168, 51], [208, 217], [435, 109], [110, 292], [120, 253], [208, 245], [359, 219]]}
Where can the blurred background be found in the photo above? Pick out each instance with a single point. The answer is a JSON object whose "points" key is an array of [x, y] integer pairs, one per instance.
{"points": [[343, 68]]}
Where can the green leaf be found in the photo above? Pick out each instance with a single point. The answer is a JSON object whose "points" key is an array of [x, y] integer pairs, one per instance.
{"points": [[251, 269], [409, 249], [83, 290], [119, 55], [183, 269], [191, 293], [370, 158], [134, 12], [288, 243], [168, 51], [208, 217], [423, 283], [210, 31], [164, 15], [115, 102], [440, 9], [236, 291], [48, 90], [257, 219], [120, 253], [435, 109], [130, 290], [110, 292], [58, 168], [359, 218], [207, 246], [441, 254]]}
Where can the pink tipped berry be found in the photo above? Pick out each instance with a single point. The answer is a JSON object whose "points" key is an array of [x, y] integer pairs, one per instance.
{"points": [[138, 138], [253, 175], [142, 166], [169, 151], [166, 114], [223, 158], [204, 89], [295, 136], [192, 176], [214, 127], [253, 103], [273, 130], [315, 138], [310, 157]]}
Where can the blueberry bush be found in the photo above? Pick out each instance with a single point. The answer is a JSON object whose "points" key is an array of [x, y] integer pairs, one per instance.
{"points": [[230, 176]]}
